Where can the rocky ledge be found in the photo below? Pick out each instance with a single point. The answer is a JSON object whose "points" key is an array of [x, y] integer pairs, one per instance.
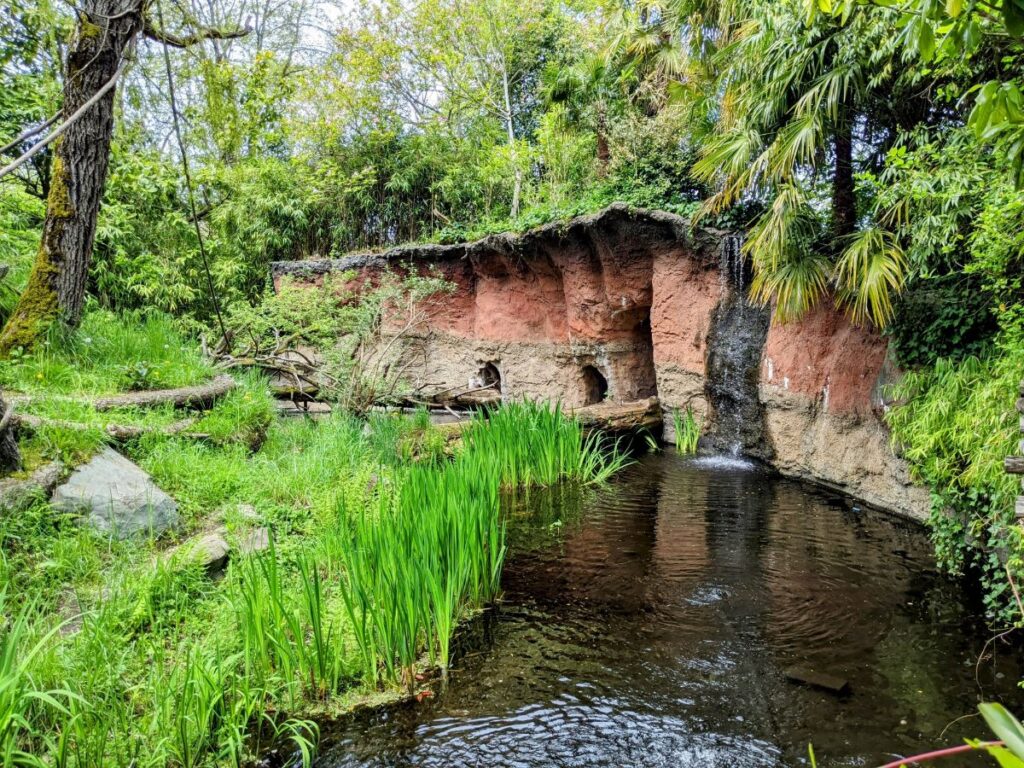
{"points": [[627, 304]]}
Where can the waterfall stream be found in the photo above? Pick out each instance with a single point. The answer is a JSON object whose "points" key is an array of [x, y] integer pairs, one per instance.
{"points": [[735, 342]]}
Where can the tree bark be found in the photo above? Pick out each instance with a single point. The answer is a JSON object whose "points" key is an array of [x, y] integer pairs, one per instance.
{"points": [[56, 285], [10, 456], [604, 154], [517, 189], [844, 201]]}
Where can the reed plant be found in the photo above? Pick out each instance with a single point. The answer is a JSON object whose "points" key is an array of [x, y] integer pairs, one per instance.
{"points": [[429, 553], [417, 562], [533, 444], [687, 430]]}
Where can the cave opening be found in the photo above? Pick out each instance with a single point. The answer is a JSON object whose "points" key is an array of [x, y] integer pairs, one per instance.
{"points": [[490, 376], [595, 385]]}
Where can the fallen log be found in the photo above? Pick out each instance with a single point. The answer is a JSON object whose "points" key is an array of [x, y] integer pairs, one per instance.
{"points": [[620, 417], [119, 432], [447, 399], [199, 397], [1014, 465]]}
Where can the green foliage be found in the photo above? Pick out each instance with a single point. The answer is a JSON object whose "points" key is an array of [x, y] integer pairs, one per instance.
{"points": [[948, 317], [955, 430], [376, 558], [687, 430], [1008, 729], [109, 353]]}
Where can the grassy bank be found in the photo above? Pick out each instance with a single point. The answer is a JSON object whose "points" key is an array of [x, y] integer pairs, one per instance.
{"points": [[116, 653]]}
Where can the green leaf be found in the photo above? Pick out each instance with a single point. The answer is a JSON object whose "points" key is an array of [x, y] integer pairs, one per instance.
{"points": [[1005, 757], [1013, 17], [926, 41], [1005, 726], [954, 7]]}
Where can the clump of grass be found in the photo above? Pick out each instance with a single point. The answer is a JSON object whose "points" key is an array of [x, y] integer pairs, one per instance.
{"points": [[533, 444], [21, 701], [109, 353], [418, 562], [687, 430]]}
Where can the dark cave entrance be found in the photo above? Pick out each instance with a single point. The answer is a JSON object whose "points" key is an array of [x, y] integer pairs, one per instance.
{"points": [[595, 385], [490, 376]]}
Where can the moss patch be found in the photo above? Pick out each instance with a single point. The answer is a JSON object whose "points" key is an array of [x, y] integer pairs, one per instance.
{"points": [[37, 306]]}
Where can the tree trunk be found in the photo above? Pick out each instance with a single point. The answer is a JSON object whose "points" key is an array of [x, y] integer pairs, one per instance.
{"points": [[10, 456], [517, 190], [604, 154], [56, 285], [844, 201]]}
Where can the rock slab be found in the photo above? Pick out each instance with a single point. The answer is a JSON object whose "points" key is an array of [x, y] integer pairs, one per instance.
{"points": [[116, 497], [18, 493]]}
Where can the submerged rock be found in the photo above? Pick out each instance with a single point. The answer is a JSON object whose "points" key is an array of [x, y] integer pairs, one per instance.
{"points": [[115, 496]]}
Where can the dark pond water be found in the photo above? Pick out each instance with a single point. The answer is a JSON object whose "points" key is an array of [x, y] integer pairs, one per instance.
{"points": [[650, 624]]}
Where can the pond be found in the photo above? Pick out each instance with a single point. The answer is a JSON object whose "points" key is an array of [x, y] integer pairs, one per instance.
{"points": [[656, 622]]}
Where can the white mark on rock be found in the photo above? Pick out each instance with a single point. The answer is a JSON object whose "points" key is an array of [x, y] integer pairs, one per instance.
{"points": [[771, 369], [785, 382]]}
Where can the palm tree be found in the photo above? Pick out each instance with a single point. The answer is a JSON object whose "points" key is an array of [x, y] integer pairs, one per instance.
{"points": [[792, 95], [587, 89]]}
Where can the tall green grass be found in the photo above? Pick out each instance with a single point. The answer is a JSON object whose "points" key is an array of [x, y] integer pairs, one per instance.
{"points": [[380, 552], [687, 430], [532, 444], [417, 563], [109, 353]]}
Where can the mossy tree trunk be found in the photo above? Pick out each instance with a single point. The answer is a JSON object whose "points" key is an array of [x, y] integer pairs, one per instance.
{"points": [[56, 285], [10, 456]]}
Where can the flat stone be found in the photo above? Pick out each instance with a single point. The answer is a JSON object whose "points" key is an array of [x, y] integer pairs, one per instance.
{"points": [[817, 679], [115, 496], [210, 551], [256, 540]]}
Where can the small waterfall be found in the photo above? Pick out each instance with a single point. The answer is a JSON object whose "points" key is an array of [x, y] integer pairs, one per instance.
{"points": [[735, 342], [732, 265]]}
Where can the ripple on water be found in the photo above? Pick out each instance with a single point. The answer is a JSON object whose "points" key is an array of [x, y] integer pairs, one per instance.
{"points": [[657, 628]]}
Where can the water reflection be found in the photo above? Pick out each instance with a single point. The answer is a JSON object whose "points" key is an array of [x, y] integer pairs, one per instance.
{"points": [[651, 624]]}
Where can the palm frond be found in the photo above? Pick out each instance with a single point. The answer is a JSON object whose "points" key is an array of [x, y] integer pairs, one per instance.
{"points": [[870, 274]]}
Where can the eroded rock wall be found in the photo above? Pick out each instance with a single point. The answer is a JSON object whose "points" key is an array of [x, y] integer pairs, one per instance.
{"points": [[626, 304]]}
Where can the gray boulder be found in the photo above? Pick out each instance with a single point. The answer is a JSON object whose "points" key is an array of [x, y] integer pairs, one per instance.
{"points": [[115, 496], [209, 550]]}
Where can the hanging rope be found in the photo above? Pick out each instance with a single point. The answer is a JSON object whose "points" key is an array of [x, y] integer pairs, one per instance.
{"points": [[188, 180]]}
